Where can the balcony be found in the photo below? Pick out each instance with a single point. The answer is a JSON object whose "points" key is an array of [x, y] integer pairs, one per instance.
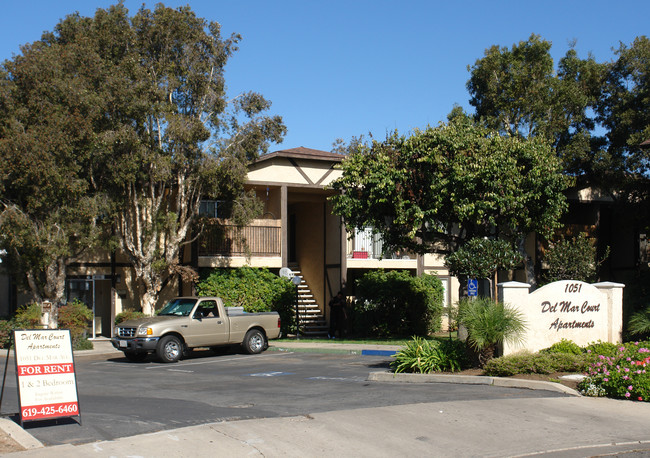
{"points": [[221, 238], [365, 250]]}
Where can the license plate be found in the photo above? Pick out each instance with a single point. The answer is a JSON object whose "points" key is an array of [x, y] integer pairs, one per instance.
{"points": [[123, 344]]}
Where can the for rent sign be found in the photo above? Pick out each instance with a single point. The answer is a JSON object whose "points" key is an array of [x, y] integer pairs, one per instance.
{"points": [[47, 385], [572, 310]]}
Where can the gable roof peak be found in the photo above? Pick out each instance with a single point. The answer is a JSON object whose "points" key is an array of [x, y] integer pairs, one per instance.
{"points": [[303, 153]]}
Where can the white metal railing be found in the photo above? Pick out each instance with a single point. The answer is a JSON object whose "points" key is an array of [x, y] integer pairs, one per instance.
{"points": [[366, 245]]}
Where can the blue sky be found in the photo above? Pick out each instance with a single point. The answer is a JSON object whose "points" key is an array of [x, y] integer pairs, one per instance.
{"points": [[337, 69]]}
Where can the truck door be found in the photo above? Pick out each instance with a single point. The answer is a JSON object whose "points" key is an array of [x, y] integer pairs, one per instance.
{"points": [[207, 328]]}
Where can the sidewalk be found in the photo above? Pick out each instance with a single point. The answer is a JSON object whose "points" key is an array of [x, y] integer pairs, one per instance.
{"points": [[152, 443]]}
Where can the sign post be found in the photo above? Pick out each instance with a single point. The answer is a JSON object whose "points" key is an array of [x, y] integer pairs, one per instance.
{"points": [[45, 375]]}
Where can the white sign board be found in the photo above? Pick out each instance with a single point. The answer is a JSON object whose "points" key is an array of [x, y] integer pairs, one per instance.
{"points": [[47, 383], [567, 309]]}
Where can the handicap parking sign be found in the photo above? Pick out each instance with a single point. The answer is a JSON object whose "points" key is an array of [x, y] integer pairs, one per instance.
{"points": [[472, 287]]}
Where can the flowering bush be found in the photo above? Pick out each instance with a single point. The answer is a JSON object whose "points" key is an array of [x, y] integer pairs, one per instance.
{"points": [[622, 375]]}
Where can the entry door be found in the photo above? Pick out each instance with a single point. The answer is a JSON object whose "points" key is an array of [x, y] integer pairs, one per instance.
{"points": [[96, 294], [102, 309]]}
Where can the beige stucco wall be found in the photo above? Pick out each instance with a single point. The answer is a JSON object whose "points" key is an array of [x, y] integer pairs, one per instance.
{"points": [[309, 245], [271, 262], [282, 172], [333, 248]]}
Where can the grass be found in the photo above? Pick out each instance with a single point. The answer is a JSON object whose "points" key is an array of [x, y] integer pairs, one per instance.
{"points": [[365, 341]]}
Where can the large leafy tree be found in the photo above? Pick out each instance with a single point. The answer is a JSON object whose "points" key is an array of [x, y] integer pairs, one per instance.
{"points": [[172, 136], [520, 92], [439, 187], [163, 133], [48, 210], [624, 110]]}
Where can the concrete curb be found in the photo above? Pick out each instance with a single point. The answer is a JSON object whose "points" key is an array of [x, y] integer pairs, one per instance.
{"points": [[471, 380], [22, 437]]}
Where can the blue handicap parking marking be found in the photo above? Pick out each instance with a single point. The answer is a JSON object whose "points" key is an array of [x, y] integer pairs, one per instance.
{"points": [[378, 352]]}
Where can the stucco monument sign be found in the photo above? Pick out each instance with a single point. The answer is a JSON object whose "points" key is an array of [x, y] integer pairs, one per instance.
{"points": [[573, 310]]}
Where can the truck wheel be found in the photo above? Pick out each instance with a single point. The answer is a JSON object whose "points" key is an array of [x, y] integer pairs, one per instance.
{"points": [[254, 342], [136, 357], [170, 349]]}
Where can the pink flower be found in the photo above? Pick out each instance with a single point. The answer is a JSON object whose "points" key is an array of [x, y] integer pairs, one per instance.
{"points": [[640, 398], [605, 379], [629, 387], [627, 395]]}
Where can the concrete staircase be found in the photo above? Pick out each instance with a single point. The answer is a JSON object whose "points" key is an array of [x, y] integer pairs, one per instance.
{"points": [[312, 320]]}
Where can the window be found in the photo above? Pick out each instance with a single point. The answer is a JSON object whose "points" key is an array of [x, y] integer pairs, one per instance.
{"points": [[215, 209], [208, 208]]}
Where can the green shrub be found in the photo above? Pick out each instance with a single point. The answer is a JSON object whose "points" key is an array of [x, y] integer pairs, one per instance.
{"points": [[535, 363], [564, 346], [396, 304], [128, 315], [596, 349], [257, 290], [6, 334], [435, 293], [82, 344], [639, 323], [76, 316], [425, 356], [489, 324], [28, 317], [621, 376], [574, 259]]}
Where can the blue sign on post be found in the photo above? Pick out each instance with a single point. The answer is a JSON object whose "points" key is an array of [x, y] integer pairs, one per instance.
{"points": [[472, 287]]}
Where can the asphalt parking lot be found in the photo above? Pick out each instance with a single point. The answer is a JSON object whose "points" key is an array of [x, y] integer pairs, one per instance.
{"points": [[119, 398]]}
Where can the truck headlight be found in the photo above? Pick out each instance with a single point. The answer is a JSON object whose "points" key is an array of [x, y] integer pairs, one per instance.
{"points": [[145, 331], [116, 331]]}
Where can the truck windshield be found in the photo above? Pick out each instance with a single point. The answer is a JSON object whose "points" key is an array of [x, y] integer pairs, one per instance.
{"points": [[178, 307]]}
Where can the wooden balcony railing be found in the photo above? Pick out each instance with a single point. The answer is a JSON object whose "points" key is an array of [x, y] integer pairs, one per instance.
{"points": [[260, 238]]}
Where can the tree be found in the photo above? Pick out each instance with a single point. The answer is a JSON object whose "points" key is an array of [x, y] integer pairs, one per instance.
{"points": [[623, 105], [48, 210], [164, 133], [449, 184], [482, 258], [573, 259], [623, 109], [519, 92]]}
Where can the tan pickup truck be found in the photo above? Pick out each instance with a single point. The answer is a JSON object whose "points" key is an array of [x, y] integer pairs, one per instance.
{"points": [[189, 322]]}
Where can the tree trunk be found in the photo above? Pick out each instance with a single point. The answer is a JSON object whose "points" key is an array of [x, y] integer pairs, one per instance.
{"points": [[153, 247], [529, 265], [486, 354], [51, 289], [148, 302]]}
